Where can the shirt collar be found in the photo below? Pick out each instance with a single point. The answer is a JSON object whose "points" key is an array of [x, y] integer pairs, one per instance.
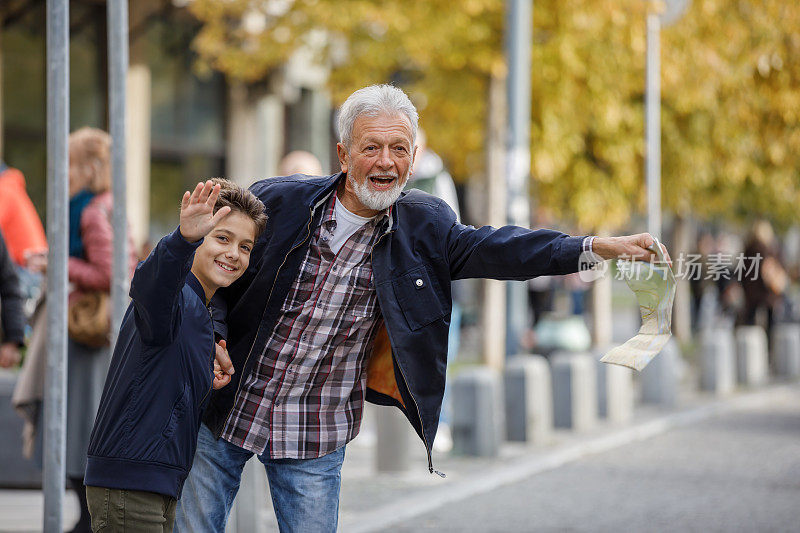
{"points": [[329, 215]]}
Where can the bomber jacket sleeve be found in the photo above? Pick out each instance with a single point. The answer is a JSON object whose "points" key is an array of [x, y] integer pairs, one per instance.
{"points": [[156, 288], [507, 253], [12, 319]]}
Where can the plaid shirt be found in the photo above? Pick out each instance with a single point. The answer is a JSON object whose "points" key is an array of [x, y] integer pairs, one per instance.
{"points": [[305, 396]]}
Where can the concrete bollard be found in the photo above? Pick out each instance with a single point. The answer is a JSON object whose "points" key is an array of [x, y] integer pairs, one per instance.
{"points": [[478, 419], [252, 508], [660, 378], [786, 350], [751, 355], [574, 390], [529, 399], [614, 391], [394, 440], [718, 361]]}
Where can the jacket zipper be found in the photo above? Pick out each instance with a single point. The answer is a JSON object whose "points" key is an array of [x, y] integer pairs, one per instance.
{"points": [[416, 405], [213, 353], [241, 381]]}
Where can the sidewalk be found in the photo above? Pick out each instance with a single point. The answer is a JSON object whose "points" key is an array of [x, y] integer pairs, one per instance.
{"points": [[376, 502], [734, 471], [21, 511]]}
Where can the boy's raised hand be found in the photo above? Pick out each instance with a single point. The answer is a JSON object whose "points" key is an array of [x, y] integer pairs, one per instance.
{"points": [[197, 211]]}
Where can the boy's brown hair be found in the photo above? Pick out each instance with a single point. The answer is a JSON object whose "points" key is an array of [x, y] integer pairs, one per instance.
{"points": [[240, 199]]}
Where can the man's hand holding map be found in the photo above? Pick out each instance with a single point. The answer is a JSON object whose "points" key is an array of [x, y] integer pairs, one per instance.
{"points": [[654, 286]]}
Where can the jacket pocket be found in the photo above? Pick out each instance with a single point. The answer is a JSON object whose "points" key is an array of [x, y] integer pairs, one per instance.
{"points": [[419, 297], [178, 409]]}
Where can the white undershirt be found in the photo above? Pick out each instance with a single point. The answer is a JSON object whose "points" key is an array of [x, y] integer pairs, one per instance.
{"points": [[347, 223]]}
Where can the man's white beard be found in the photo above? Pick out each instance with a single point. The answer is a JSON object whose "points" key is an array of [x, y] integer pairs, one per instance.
{"points": [[377, 200]]}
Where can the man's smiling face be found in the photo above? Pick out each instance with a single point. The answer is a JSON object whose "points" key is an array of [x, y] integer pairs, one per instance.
{"points": [[377, 163]]}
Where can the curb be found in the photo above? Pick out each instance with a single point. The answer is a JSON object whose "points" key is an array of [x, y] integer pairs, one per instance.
{"points": [[403, 509]]}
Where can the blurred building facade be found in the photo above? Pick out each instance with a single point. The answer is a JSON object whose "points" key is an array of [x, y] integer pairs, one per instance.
{"points": [[182, 126]]}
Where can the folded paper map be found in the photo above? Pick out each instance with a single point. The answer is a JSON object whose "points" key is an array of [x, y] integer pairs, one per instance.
{"points": [[654, 287]]}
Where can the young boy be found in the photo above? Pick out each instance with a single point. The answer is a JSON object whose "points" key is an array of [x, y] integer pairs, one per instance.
{"points": [[164, 367]]}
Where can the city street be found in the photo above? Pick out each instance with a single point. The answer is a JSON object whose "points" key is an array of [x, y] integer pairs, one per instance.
{"points": [[739, 471], [712, 465]]}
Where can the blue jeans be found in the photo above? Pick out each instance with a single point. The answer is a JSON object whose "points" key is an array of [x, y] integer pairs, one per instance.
{"points": [[305, 492]]}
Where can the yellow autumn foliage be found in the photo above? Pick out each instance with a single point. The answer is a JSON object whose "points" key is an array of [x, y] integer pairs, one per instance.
{"points": [[730, 91]]}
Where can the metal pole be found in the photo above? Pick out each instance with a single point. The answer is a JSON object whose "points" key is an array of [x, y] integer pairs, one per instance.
{"points": [[493, 314], [117, 78], [519, 28], [653, 124], [57, 225]]}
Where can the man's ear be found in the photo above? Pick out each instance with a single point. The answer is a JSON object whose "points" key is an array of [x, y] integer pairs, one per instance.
{"points": [[341, 151]]}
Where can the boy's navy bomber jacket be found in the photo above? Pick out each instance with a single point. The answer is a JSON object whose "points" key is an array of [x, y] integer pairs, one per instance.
{"points": [[159, 381]]}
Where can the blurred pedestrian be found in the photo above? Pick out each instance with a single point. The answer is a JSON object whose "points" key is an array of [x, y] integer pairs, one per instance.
{"points": [[577, 291], [541, 293], [12, 320], [19, 220], [762, 292], [300, 162], [24, 234]]}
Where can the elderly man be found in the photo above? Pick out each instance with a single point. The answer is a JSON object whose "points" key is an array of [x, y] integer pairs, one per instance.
{"points": [[347, 298]]}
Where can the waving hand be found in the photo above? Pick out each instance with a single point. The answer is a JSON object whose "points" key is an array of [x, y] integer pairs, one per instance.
{"points": [[197, 211]]}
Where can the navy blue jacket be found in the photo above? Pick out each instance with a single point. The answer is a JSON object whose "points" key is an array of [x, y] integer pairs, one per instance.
{"points": [[145, 433], [421, 250]]}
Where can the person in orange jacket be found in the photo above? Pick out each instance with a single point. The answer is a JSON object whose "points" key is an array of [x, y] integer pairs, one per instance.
{"points": [[19, 222]]}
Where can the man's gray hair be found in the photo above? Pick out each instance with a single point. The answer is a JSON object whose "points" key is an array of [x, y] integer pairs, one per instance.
{"points": [[373, 101]]}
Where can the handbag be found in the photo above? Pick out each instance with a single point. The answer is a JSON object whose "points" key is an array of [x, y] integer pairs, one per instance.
{"points": [[88, 320], [89, 315]]}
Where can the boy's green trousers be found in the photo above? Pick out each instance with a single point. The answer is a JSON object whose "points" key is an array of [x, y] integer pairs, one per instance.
{"points": [[131, 511]]}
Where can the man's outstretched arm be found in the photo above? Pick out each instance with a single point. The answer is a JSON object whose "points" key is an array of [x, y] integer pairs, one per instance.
{"points": [[512, 252]]}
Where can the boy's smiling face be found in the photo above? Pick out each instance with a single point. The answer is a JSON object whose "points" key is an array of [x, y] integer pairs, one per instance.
{"points": [[225, 252]]}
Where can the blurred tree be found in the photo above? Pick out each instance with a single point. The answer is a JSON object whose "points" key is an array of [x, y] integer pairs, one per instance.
{"points": [[730, 70], [588, 115], [731, 110], [442, 55]]}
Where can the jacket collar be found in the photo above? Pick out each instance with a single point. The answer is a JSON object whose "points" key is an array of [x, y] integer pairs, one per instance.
{"points": [[194, 283], [327, 188]]}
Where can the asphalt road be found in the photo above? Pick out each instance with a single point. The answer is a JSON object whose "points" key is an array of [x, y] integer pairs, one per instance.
{"points": [[739, 471]]}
